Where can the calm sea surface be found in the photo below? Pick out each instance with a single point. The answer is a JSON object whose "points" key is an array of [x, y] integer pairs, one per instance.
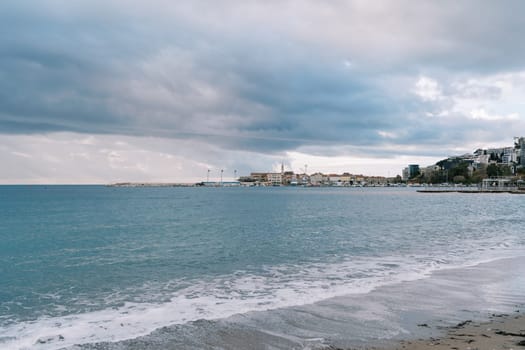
{"points": [[83, 264]]}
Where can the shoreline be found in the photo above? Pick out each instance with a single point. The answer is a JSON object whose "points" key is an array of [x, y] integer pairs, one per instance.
{"points": [[451, 309], [501, 331]]}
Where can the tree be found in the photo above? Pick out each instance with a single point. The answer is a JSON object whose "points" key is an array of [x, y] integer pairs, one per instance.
{"points": [[439, 176], [459, 179], [461, 169], [505, 170], [492, 170]]}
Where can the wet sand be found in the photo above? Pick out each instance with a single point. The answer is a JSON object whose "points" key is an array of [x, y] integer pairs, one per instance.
{"points": [[422, 314], [506, 331]]}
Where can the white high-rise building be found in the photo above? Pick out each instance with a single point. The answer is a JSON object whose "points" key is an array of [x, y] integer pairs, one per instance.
{"points": [[520, 147]]}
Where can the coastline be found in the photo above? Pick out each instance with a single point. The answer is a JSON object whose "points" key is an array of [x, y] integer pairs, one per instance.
{"points": [[460, 308], [502, 331]]}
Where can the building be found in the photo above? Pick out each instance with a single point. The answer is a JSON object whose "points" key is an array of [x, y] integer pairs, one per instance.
{"points": [[497, 184], [481, 157], [303, 179], [259, 177], [376, 180], [289, 178], [520, 150], [346, 178], [274, 179], [405, 174], [317, 179], [335, 180], [503, 155], [509, 156], [411, 171]]}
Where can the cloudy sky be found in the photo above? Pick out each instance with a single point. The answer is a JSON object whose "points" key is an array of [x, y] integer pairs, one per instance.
{"points": [[160, 90]]}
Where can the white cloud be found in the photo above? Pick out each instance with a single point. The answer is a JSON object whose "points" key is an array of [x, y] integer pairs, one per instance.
{"points": [[64, 158], [381, 166], [493, 98], [21, 154], [428, 89], [488, 98], [482, 114], [387, 134], [348, 64]]}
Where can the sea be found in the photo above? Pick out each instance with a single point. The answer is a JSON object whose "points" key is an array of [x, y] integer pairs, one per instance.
{"points": [[98, 267]]}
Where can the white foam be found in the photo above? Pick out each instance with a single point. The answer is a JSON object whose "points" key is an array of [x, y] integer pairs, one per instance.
{"points": [[241, 292]]}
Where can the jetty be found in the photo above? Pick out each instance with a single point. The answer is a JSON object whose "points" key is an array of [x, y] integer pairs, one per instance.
{"points": [[489, 185], [152, 184]]}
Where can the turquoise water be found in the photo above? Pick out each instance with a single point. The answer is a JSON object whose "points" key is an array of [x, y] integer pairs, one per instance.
{"points": [[95, 263]]}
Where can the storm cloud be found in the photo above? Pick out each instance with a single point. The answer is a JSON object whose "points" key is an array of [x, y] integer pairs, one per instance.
{"points": [[265, 78]]}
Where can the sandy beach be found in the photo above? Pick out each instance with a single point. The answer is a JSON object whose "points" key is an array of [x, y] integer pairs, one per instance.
{"points": [[504, 331]]}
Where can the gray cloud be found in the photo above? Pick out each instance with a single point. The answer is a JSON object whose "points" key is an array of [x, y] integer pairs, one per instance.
{"points": [[257, 76]]}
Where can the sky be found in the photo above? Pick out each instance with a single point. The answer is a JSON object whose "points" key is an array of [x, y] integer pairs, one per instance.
{"points": [[160, 90]]}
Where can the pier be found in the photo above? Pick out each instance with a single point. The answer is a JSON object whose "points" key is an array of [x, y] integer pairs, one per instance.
{"points": [[490, 185]]}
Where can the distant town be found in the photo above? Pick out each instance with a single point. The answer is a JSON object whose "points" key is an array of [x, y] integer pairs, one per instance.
{"points": [[464, 169], [467, 169], [482, 164]]}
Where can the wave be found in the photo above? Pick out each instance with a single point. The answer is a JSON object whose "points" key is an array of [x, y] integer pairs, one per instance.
{"points": [[241, 292]]}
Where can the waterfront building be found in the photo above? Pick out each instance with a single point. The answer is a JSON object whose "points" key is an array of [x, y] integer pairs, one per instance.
{"points": [[274, 179], [335, 179], [289, 178], [405, 174], [497, 184], [317, 179], [359, 180], [303, 179], [346, 178], [375, 180], [413, 170], [259, 177]]}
